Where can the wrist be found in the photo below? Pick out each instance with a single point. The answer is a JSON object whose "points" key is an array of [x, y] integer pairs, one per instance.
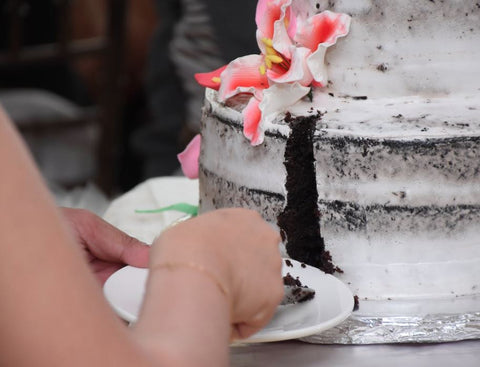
{"points": [[190, 265], [186, 294], [201, 256]]}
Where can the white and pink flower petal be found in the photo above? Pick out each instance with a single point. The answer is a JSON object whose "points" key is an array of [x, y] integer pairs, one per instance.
{"points": [[211, 79], [298, 70], [276, 99], [316, 65], [243, 75], [282, 30], [279, 97], [268, 12], [189, 157], [259, 114], [251, 122], [274, 23], [322, 29]]}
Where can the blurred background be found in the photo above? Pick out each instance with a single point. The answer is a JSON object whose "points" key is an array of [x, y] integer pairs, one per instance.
{"points": [[103, 90]]}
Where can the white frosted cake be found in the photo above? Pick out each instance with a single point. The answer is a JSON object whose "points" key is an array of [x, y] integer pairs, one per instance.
{"points": [[374, 173]]}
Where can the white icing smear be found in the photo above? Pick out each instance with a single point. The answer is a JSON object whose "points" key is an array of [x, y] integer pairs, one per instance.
{"points": [[408, 191], [401, 118], [381, 247], [403, 266], [413, 281]]}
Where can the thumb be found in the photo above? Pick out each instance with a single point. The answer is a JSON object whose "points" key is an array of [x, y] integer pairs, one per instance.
{"points": [[124, 248], [105, 241], [133, 251]]}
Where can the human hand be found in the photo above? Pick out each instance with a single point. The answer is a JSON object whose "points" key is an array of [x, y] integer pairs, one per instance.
{"points": [[241, 250], [107, 249]]}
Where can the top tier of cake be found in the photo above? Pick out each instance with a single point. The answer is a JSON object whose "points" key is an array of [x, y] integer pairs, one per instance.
{"points": [[397, 48]]}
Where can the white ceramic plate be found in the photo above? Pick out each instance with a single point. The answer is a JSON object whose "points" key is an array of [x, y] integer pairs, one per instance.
{"points": [[332, 304]]}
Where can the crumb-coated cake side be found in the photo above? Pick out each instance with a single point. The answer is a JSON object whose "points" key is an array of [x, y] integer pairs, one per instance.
{"points": [[399, 215]]}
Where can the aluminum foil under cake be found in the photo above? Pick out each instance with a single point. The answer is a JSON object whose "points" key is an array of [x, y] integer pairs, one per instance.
{"points": [[416, 325]]}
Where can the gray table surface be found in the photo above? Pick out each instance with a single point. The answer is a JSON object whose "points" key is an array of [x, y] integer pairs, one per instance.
{"points": [[299, 354]]}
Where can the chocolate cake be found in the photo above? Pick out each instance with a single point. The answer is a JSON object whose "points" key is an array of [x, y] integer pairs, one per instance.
{"points": [[298, 294], [373, 168]]}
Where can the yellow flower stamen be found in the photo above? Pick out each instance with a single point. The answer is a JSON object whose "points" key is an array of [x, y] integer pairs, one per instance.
{"points": [[263, 69], [216, 79], [270, 51], [268, 62], [267, 42], [275, 59]]}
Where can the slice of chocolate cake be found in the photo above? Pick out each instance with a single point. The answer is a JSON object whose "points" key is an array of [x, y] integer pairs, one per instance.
{"points": [[299, 221]]}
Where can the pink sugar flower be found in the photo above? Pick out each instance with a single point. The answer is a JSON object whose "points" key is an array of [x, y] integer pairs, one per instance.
{"points": [[293, 48]]}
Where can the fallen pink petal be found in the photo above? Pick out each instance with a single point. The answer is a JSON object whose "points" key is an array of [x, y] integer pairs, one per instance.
{"points": [[189, 157]]}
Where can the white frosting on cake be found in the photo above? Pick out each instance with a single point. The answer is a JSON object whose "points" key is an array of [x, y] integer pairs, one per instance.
{"points": [[400, 118], [427, 48]]}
